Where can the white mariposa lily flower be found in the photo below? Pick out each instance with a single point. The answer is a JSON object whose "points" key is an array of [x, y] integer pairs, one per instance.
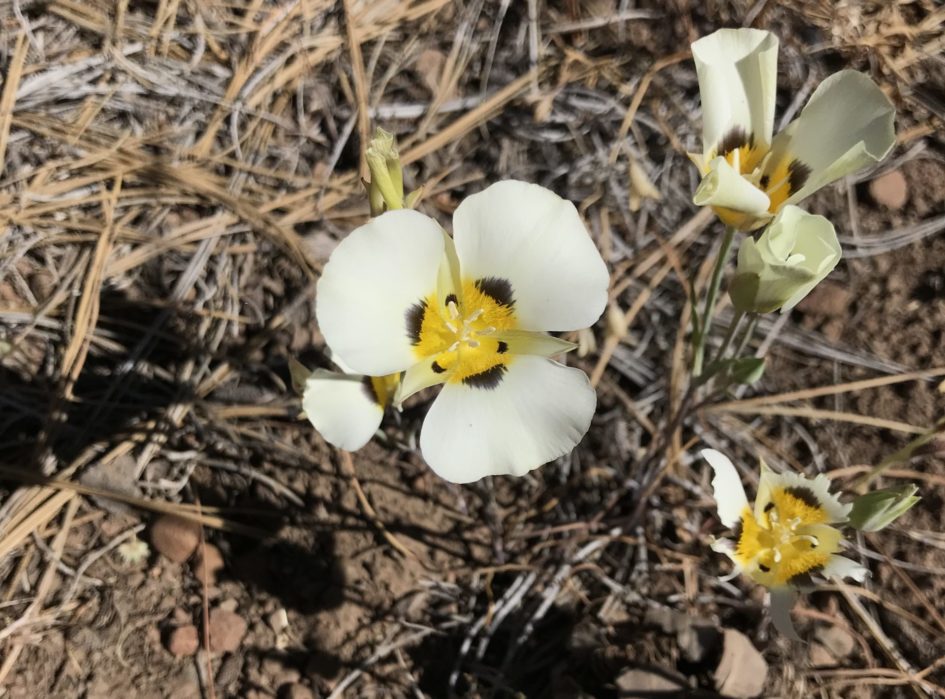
{"points": [[472, 312], [787, 536], [790, 257], [748, 175], [346, 408]]}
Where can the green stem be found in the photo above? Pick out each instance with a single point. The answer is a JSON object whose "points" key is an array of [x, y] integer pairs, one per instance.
{"points": [[729, 336], [749, 333], [709, 310]]}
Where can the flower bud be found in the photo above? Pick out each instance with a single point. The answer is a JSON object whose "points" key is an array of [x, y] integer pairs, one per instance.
{"points": [[387, 178], [877, 510], [790, 257]]}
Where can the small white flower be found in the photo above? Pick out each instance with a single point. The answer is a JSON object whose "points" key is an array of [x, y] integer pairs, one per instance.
{"points": [[346, 408], [134, 551], [790, 257], [471, 312], [749, 174], [786, 537]]}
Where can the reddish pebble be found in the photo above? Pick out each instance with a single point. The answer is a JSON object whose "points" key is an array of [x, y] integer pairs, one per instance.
{"points": [[226, 631], [183, 641], [890, 190], [175, 538], [207, 563]]}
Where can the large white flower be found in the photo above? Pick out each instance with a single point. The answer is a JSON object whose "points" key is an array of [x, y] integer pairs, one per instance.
{"points": [[748, 175], [786, 537], [472, 312]]}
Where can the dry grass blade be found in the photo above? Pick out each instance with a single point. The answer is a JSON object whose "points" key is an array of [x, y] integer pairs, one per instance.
{"points": [[11, 81]]}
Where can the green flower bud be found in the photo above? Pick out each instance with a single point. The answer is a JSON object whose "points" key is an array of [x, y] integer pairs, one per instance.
{"points": [[387, 177], [793, 254], [877, 510]]}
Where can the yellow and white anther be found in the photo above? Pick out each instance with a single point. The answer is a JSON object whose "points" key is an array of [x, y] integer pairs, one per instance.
{"points": [[472, 313], [787, 536], [846, 125]]}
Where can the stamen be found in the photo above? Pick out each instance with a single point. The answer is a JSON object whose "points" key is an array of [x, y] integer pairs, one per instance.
{"points": [[452, 327], [812, 539], [474, 316], [454, 313], [777, 555], [472, 343]]}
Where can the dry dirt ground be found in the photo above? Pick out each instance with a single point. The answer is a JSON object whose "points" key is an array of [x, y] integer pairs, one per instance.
{"points": [[175, 173]]}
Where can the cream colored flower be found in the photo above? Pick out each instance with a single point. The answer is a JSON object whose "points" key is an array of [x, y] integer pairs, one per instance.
{"points": [[787, 537], [749, 174], [472, 313], [789, 258]]}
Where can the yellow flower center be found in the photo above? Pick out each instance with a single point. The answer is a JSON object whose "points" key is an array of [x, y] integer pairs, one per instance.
{"points": [[789, 541], [460, 335], [752, 161]]}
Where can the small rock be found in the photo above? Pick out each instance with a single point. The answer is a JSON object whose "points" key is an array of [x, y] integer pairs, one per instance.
{"points": [[278, 620], [183, 641], [295, 691], [175, 538], [644, 683], [742, 671], [890, 190], [229, 604], [226, 631], [827, 299], [207, 563], [820, 656], [838, 642]]}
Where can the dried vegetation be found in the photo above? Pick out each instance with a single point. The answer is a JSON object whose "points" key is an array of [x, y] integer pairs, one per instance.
{"points": [[174, 174]]}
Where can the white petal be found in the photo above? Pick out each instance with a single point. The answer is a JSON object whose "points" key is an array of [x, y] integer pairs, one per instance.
{"points": [[842, 567], [371, 281], [782, 601], [727, 487], [738, 72], [727, 547], [539, 411], [723, 186], [817, 242], [341, 408], [847, 124], [535, 240]]}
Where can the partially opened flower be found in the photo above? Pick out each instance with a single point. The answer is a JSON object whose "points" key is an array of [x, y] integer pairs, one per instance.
{"points": [[472, 312], [787, 537], [749, 174], [346, 408], [790, 257]]}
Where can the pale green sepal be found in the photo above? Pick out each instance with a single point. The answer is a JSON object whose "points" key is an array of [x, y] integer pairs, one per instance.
{"points": [[448, 279], [418, 377], [299, 375], [534, 343], [877, 510]]}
